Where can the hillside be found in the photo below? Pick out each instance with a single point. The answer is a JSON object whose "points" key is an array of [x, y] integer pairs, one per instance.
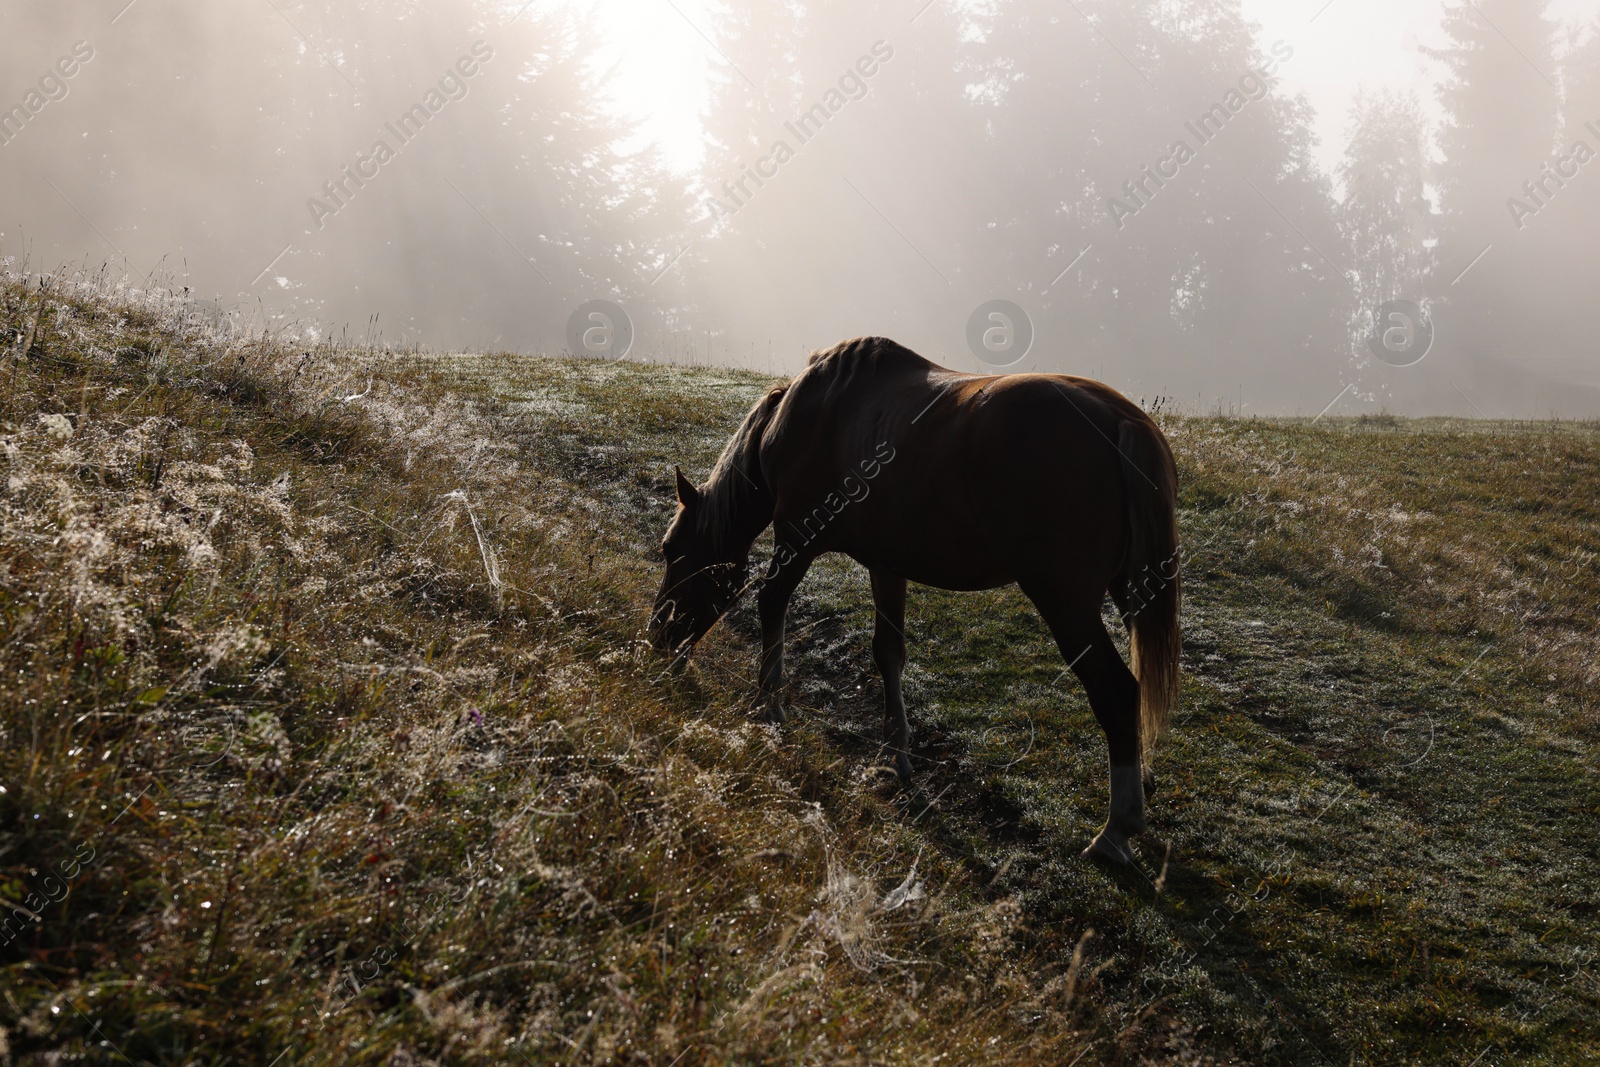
{"points": [[328, 736]]}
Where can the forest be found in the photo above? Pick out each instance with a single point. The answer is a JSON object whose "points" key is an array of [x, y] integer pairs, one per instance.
{"points": [[1132, 175]]}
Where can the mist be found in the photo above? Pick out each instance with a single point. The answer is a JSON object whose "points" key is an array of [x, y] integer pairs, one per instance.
{"points": [[1126, 191]]}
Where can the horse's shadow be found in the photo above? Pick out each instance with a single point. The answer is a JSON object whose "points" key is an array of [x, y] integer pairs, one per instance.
{"points": [[959, 806]]}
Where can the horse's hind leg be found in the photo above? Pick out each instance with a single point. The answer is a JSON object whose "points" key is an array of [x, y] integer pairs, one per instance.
{"points": [[889, 650], [772, 604], [1114, 697]]}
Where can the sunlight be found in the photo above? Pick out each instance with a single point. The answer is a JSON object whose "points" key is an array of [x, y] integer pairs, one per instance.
{"points": [[660, 61]]}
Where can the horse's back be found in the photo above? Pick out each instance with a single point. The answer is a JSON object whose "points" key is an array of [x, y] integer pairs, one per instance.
{"points": [[878, 369], [869, 392], [947, 478]]}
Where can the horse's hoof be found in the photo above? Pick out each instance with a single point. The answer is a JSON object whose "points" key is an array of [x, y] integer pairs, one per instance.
{"points": [[902, 767], [774, 713], [1109, 845]]}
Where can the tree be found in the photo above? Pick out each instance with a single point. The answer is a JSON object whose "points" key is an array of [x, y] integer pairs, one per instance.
{"points": [[856, 120], [988, 154], [1501, 104], [1385, 217], [1171, 154], [500, 200]]}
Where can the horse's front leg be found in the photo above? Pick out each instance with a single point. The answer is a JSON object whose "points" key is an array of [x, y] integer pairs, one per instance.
{"points": [[772, 603], [889, 650]]}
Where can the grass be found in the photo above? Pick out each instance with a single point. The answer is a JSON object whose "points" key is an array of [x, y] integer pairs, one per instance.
{"points": [[328, 736]]}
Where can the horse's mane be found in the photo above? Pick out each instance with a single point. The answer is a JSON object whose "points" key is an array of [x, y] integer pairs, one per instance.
{"points": [[836, 367], [736, 477]]}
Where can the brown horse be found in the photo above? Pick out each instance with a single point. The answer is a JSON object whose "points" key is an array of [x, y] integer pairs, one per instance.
{"points": [[961, 481]]}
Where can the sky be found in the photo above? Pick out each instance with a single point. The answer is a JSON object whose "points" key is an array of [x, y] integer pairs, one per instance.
{"points": [[662, 61]]}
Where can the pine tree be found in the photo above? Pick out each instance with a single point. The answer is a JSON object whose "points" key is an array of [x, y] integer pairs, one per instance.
{"points": [[1202, 280], [856, 225], [1385, 216], [514, 203], [1501, 108], [1567, 230]]}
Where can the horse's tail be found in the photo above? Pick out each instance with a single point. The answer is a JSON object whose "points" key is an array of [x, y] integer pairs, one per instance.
{"points": [[1154, 581]]}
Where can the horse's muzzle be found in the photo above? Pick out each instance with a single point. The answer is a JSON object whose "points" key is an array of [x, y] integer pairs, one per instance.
{"points": [[667, 630]]}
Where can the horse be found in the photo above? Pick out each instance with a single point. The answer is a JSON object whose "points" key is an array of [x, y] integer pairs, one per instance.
{"points": [[1056, 483]]}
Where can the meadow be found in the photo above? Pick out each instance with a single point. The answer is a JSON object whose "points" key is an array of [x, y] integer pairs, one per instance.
{"points": [[328, 735]]}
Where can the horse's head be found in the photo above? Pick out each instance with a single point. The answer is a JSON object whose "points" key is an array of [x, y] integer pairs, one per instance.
{"points": [[697, 586]]}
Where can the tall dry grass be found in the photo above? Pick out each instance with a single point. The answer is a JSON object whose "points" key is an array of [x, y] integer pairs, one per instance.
{"points": [[327, 736]]}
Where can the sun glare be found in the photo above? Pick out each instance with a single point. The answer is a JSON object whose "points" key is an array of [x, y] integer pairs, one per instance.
{"points": [[660, 61]]}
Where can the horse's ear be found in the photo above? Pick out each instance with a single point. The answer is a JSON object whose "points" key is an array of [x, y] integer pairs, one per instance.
{"points": [[688, 495]]}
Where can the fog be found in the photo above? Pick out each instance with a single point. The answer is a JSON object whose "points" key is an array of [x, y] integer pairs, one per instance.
{"points": [[1137, 181]]}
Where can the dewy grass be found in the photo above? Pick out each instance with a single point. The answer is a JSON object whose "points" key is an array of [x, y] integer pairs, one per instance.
{"points": [[287, 776]]}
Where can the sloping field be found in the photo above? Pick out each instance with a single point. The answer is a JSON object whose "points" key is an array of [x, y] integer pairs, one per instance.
{"points": [[328, 737]]}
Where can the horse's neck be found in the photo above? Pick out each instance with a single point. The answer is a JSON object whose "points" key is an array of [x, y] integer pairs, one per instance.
{"points": [[742, 508]]}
